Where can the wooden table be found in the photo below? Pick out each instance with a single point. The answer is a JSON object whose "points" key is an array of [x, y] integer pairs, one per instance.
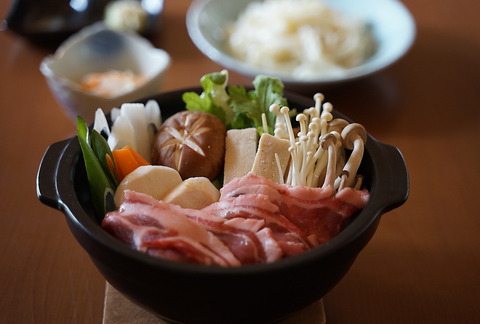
{"points": [[422, 265]]}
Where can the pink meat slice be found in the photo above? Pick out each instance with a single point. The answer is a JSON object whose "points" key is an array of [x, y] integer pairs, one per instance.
{"points": [[255, 221], [281, 239], [316, 212], [321, 216], [159, 229], [239, 235]]}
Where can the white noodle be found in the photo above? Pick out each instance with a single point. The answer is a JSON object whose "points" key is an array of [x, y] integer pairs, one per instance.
{"points": [[304, 38]]}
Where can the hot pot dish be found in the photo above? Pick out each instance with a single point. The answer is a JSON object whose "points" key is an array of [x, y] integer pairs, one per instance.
{"points": [[139, 235]]}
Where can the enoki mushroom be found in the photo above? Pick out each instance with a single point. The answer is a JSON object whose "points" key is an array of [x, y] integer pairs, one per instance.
{"points": [[317, 151]]}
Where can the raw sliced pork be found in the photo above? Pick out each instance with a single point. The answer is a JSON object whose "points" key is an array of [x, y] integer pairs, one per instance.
{"points": [[317, 212], [255, 221], [160, 229]]}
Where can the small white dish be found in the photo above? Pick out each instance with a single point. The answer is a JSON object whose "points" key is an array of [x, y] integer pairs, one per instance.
{"points": [[97, 49], [392, 25]]}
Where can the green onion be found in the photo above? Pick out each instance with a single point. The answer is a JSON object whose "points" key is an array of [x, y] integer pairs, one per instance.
{"points": [[101, 181]]}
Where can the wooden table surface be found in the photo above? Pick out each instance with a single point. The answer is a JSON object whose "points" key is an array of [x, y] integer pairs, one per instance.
{"points": [[422, 265]]}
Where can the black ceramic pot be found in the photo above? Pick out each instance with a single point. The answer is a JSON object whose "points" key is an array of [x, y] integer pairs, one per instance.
{"points": [[183, 293]]}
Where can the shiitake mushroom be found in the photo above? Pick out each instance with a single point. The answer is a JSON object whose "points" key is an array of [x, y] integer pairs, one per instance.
{"points": [[192, 142]]}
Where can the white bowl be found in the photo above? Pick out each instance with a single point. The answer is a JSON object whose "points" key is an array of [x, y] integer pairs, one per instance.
{"points": [[392, 25], [98, 49]]}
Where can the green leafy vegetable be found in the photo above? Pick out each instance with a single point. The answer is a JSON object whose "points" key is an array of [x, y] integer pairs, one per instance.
{"points": [[234, 105], [105, 156], [96, 154], [213, 99], [253, 104]]}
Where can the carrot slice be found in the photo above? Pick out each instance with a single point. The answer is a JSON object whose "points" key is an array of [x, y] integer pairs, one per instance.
{"points": [[127, 160]]}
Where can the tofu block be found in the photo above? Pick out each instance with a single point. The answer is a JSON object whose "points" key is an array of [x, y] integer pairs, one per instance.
{"points": [[265, 163], [194, 193], [240, 150], [153, 180]]}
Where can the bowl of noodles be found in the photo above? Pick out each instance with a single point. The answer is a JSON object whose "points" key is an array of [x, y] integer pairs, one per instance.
{"points": [[303, 42]]}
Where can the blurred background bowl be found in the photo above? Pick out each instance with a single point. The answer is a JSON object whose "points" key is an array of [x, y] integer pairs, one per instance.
{"points": [[97, 49], [187, 293], [391, 23], [49, 22]]}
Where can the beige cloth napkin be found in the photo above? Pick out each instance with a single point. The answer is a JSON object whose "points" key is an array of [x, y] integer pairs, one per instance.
{"points": [[119, 310]]}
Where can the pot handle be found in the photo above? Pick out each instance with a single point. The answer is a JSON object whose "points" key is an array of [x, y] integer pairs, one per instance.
{"points": [[47, 174], [394, 175]]}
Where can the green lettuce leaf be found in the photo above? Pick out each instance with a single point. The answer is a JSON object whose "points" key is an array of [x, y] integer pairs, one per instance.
{"points": [[234, 105], [254, 103], [213, 99]]}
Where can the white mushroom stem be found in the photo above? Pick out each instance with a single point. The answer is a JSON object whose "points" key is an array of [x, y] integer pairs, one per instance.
{"points": [[294, 167], [358, 182], [341, 160], [325, 117], [302, 121], [313, 179], [338, 124], [354, 137], [329, 143], [318, 158], [318, 150], [279, 168], [265, 123], [311, 113], [284, 111], [340, 181], [318, 98], [302, 147], [279, 129]]}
